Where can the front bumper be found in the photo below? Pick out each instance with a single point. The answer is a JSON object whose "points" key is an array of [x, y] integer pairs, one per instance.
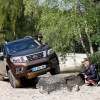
{"points": [[37, 73], [50, 62]]}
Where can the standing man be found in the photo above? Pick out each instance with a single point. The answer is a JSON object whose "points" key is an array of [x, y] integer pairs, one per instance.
{"points": [[90, 73]]}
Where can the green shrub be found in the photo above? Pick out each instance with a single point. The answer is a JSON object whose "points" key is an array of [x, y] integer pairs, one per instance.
{"points": [[95, 58]]}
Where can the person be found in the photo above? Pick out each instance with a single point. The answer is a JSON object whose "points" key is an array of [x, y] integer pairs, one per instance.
{"points": [[90, 73], [39, 38]]}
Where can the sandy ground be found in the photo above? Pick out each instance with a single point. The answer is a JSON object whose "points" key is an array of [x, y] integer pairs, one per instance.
{"points": [[31, 93]]}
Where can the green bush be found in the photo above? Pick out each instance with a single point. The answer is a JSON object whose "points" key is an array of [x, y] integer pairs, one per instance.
{"points": [[95, 59]]}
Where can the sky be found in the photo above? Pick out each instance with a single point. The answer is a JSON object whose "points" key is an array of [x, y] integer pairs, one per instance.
{"points": [[69, 6]]}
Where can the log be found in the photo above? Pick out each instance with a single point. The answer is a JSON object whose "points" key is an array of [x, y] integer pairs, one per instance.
{"points": [[58, 82]]}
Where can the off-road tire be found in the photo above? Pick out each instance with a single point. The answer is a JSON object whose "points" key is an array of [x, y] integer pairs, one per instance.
{"points": [[55, 71], [1, 78], [15, 83]]}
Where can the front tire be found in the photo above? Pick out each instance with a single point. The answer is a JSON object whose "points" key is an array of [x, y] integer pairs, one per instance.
{"points": [[15, 83], [55, 71]]}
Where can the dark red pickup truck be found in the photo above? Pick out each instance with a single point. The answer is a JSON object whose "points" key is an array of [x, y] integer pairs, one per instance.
{"points": [[26, 59]]}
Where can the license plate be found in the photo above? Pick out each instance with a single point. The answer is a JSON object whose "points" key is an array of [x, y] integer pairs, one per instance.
{"points": [[38, 68]]}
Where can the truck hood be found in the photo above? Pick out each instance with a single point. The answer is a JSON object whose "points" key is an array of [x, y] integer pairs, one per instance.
{"points": [[31, 51]]}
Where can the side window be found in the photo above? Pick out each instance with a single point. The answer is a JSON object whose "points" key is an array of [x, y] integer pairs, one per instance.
{"points": [[1, 53], [1, 48], [4, 51]]}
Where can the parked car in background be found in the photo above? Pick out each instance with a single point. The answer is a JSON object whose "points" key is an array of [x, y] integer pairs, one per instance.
{"points": [[26, 59]]}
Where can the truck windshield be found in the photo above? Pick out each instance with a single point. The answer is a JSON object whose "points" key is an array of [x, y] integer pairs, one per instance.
{"points": [[18, 46]]}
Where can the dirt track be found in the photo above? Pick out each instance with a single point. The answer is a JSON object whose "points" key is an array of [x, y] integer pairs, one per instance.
{"points": [[30, 93]]}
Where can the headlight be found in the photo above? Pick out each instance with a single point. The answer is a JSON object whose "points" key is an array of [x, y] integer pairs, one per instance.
{"points": [[50, 51], [19, 59]]}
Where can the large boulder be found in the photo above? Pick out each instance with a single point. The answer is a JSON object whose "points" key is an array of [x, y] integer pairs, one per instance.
{"points": [[60, 81]]}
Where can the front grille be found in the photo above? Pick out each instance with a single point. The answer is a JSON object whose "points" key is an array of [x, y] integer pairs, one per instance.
{"points": [[35, 56]]}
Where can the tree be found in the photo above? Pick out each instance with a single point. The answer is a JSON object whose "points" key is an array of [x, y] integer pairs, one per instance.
{"points": [[64, 23], [10, 11], [90, 20]]}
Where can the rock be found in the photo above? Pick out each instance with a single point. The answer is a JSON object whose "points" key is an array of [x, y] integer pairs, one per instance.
{"points": [[60, 81], [76, 88]]}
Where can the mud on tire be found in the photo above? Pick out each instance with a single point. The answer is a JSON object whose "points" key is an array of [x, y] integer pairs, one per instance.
{"points": [[15, 83], [55, 71]]}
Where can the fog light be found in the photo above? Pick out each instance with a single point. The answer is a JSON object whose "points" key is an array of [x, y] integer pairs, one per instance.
{"points": [[54, 61], [19, 70]]}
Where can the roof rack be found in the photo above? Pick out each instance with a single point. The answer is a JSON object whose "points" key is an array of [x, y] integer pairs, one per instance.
{"points": [[28, 36]]}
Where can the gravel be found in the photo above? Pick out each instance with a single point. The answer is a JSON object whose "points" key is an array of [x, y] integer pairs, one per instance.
{"points": [[30, 93]]}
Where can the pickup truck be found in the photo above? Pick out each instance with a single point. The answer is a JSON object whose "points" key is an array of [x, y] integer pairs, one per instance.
{"points": [[26, 59]]}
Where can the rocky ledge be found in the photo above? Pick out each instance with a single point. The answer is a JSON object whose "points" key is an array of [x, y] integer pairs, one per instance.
{"points": [[58, 82]]}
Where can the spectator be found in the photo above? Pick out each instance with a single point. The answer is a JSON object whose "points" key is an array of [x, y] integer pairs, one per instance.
{"points": [[90, 73]]}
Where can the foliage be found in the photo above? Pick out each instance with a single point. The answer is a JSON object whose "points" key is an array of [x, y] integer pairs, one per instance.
{"points": [[10, 12], [95, 58], [61, 26], [61, 22], [96, 39]]}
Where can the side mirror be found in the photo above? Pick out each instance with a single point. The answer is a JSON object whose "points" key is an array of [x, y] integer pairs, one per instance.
{"points": [[1, 56]]}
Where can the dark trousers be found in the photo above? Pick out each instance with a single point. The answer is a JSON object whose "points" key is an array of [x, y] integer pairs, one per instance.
{"points": [[96, 79]]}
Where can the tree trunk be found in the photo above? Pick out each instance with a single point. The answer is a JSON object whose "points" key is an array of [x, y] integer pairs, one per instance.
{"points": [[88, 36], [82, 42]]}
